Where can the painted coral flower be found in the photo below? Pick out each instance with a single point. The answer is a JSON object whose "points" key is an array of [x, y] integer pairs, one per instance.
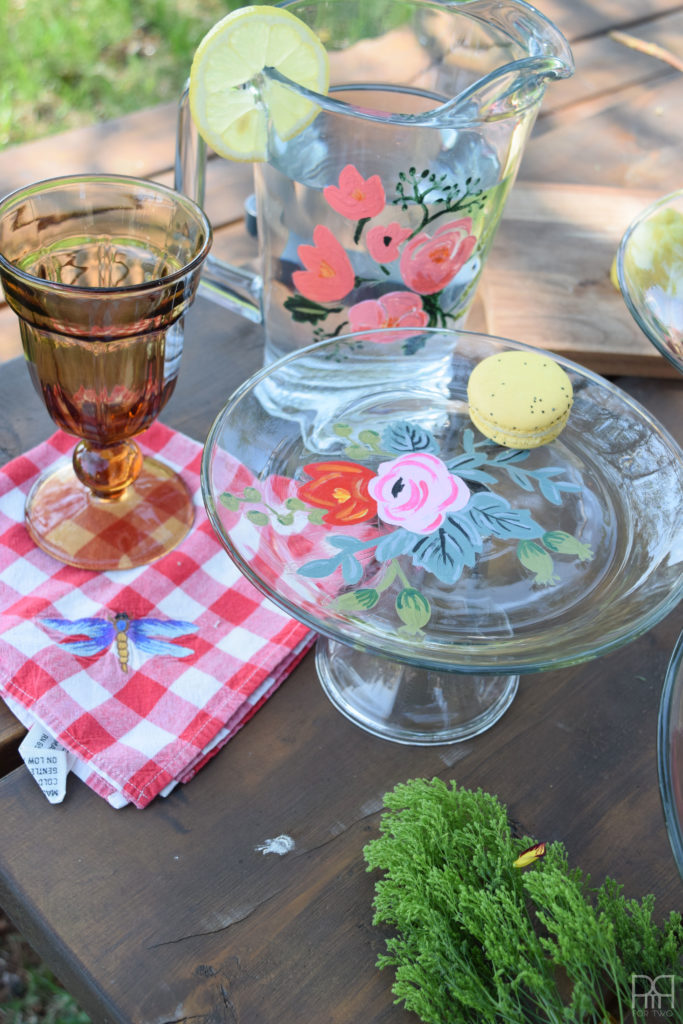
{"points": [[329, 275], [356, 197], [342, 489], [429, 262], [383, 241], [395, 309], [416, 491]]}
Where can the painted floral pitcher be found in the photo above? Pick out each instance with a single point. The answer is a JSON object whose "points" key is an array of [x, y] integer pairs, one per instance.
{"points": [[382, 211]]}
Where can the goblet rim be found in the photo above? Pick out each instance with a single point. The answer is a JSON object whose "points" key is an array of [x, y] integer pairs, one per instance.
{"points": [[9, 268]]}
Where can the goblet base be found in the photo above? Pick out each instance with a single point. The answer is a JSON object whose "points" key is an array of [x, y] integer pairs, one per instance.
{"points": [[145, 522], [408, 704]]}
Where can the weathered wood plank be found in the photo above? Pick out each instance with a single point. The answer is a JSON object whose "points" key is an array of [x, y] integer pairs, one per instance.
{"points": [[139, 144], [584, 19], [605, 67], [636, 141]]}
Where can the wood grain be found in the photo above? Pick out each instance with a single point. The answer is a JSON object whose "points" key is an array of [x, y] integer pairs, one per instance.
{"points": [[173, 914], [547, 279]]}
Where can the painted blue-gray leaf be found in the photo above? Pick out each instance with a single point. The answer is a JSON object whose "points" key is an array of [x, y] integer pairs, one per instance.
{"points": [[402, 436], [393, 544], [468, 466], [552, 489], [493, 516], [338, 540], [510, 455], [441, 555], [468, 440], [477, 476], [465, 535], [318, 568], [521, 478], [463, 467], [351, 568]]}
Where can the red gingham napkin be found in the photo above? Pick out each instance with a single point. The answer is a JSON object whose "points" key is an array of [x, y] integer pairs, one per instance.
{"points": [[135, 721]]}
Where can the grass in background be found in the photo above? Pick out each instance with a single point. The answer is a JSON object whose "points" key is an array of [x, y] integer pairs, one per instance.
{"points": [[29, 993], [78, 61]]}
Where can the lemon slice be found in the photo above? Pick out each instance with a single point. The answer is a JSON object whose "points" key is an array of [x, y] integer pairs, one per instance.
{"points": [[654, 252], [230, 103]]}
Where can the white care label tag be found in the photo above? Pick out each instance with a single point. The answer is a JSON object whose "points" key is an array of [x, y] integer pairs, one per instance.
{"points": [[46, 759]]}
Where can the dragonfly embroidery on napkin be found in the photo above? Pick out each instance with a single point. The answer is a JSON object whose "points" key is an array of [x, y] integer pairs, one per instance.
{"points": [[94, 636]]}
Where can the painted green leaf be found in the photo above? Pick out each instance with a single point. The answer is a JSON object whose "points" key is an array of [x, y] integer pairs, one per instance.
{"points": [[230, 501], [357, 600]]}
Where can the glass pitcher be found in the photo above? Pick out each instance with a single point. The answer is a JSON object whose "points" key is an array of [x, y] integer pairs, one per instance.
{"points": [[382, 211]]}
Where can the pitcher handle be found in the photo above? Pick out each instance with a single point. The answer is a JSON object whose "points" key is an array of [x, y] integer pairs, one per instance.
{"points": [[235, 288]]}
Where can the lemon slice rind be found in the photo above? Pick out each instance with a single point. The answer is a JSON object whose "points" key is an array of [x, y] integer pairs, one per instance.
{"points": [[230, 98]]}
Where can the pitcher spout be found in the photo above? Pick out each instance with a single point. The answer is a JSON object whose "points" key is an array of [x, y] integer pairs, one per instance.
{"points": [[510, 91], [525, 51]]}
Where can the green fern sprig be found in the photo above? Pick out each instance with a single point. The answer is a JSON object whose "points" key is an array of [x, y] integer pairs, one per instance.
{"points": [[477, 940]]}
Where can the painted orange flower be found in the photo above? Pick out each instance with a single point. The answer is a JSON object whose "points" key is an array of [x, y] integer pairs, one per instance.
{"points": [[429, 263], [342, 489], [329, 275], [356, 197]]}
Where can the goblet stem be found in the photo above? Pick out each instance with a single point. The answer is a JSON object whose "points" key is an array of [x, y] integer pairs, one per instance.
{"points": [[107, 470]]}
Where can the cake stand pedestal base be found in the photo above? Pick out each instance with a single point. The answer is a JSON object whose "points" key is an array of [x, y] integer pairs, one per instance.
{"points": [[407, 704]]}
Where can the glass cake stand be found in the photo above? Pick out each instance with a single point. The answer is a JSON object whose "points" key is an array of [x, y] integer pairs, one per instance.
{"points": [[670, 752], [351, 488], [650, 274]]}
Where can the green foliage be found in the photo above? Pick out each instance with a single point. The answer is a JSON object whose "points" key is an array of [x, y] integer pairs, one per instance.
{"points": [[478, 941], [81, 61], [44, 1002]]}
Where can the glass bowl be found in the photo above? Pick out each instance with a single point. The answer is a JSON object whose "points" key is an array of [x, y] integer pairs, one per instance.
{"points": [[550, 557], [650, 274], [670, 752]]}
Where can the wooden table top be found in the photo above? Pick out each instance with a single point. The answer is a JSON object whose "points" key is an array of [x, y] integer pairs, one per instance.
{"points": [[173, 913]]}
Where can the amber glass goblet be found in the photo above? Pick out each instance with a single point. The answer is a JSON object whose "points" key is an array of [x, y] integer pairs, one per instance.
{"points": [[100, 270]]}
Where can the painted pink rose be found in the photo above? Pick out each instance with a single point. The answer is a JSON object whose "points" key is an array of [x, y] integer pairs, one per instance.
{"points": [[356, 197], [383, 241], [395, 309], [430, 262], [329, 275], [416, 491]]}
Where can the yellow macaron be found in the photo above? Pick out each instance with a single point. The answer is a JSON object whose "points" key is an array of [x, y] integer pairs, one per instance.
{"points": [[519, 399]]}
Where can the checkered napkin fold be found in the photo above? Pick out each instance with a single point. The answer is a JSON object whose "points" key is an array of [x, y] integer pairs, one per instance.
{"points": [[141, 674]]}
